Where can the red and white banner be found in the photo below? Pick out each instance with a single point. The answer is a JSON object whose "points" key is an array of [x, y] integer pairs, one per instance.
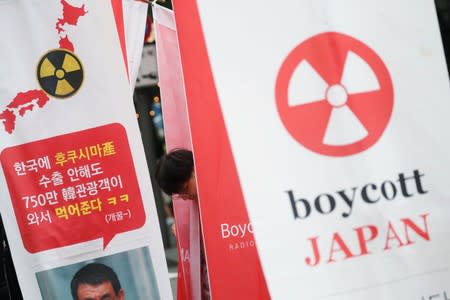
{"points": [[75, 188], [330, 119], [177, 135], [233, 264], [134, 19]]}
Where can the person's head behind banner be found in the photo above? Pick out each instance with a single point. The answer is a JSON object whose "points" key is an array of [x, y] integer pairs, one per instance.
{"points": [[96, 281], [175, 174]]}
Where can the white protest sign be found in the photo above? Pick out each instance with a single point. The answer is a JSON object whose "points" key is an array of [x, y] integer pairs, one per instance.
{"points": [[337, 115], [75, 186]]}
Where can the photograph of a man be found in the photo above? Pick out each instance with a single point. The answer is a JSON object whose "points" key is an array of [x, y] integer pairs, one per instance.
{"points": [[96, 281]]}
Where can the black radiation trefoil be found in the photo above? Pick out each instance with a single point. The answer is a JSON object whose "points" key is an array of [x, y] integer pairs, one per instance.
{"points": [[60, 73]]}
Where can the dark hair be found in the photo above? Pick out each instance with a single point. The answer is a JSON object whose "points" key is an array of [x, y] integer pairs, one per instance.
{"points": [[94, 274], [174, 169]]}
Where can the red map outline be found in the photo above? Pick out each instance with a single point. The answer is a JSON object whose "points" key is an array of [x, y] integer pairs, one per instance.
{"points": [[25, 102], [70, 16]]}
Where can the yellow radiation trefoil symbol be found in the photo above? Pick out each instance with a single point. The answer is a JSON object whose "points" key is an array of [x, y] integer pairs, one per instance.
{"points": [[60, 73]]}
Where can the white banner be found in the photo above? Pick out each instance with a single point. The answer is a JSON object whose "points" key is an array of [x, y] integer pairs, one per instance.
{"points": [[76, 195], [337, 115], [135, 15]]}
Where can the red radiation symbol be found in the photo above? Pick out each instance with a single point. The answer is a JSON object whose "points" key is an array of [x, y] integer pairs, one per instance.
{"points": [[334, 95]]}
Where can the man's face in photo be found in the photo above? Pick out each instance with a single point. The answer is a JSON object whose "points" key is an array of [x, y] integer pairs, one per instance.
{"points": [[102, 291]]}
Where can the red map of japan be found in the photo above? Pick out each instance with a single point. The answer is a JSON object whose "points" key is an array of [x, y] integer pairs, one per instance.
{"points": [[28, 100]]}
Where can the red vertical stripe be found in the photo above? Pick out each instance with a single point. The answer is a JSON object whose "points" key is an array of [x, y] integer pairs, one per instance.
{"points": [[234, 274]]}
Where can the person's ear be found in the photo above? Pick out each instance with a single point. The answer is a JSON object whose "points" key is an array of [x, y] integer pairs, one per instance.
{"points": [[121, 294]]}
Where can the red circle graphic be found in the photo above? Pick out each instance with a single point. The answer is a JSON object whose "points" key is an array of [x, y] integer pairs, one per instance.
{"points": [[334, 95]]}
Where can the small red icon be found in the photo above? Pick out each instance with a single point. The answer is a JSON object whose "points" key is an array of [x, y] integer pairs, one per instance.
{"points": [[334, 95]]}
